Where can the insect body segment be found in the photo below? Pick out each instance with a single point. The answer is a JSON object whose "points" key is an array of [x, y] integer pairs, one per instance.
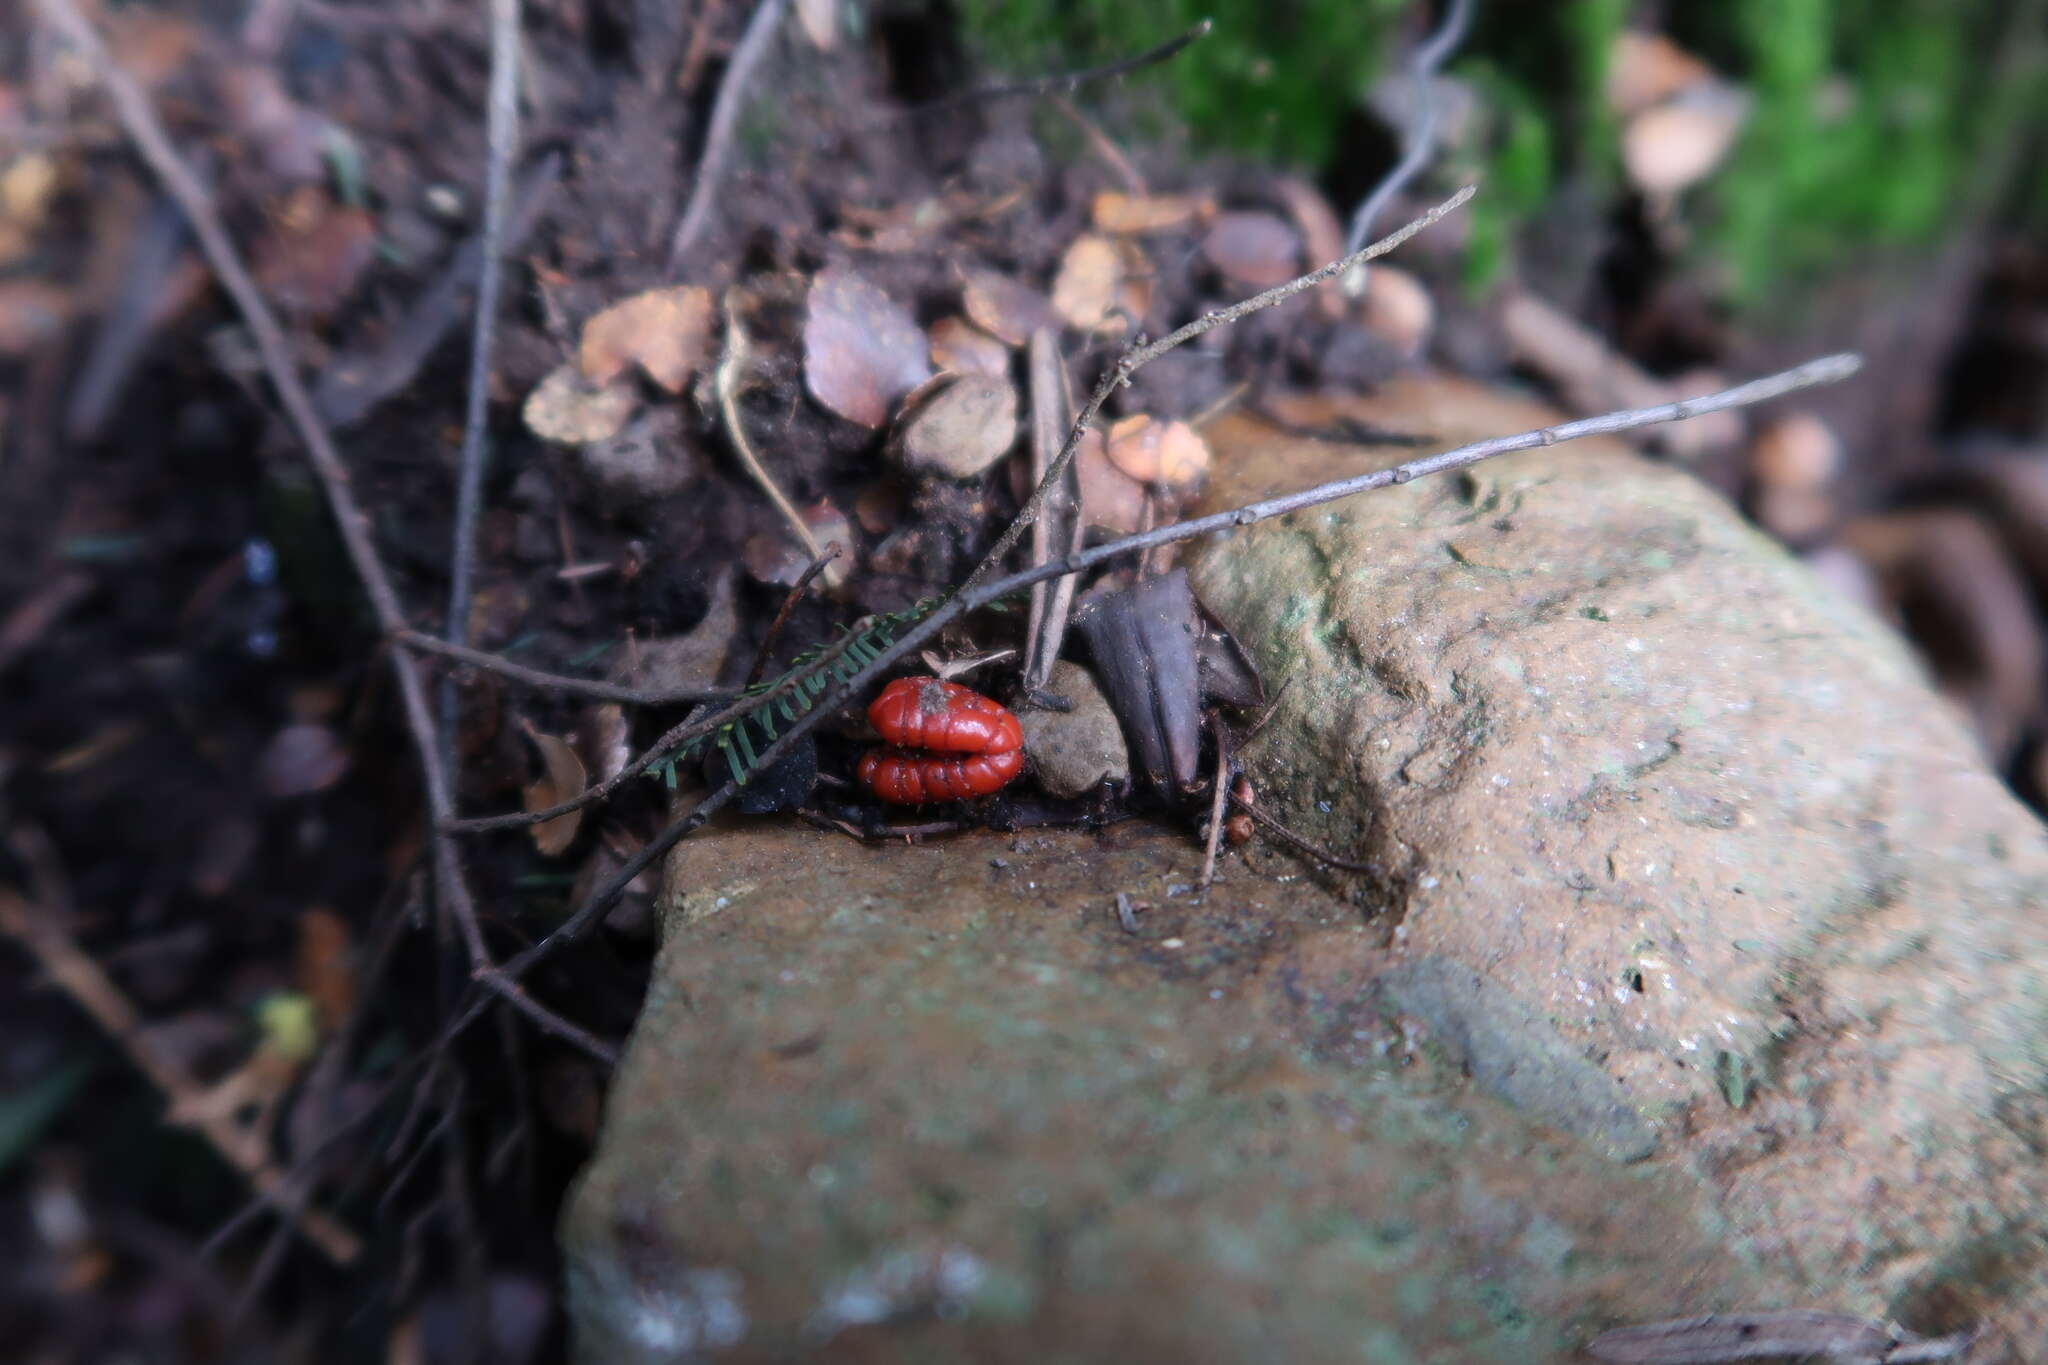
{"points": [[947, 743]]}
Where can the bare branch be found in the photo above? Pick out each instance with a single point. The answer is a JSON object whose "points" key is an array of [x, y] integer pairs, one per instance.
{"points": [[595, 688]]}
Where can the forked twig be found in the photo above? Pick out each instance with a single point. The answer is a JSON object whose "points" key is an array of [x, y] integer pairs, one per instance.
{"points": [[789, 601]]}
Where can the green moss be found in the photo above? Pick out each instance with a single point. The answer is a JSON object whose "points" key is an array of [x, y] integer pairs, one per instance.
{"points": [[1275, 79]]}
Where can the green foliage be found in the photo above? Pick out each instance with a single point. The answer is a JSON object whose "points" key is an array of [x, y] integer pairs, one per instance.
{"points": [[1518, 174], [1275, 79]]}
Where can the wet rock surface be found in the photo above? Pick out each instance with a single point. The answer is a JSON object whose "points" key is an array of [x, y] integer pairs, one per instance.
{"points": [[1704, 972]]}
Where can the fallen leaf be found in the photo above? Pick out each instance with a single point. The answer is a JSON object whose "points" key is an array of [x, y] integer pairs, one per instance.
{"points": [[315, 253], [32, 311], [323, 968], [820, 22], [663, 331], [1397, 307], [1085, 291], [301, 760], [1796, 450], [1134, 289], [1140, 213], [1153, 452], [25, 188], [607, 739], [1321, 234], [1674, 145], [779, 558], [960, 429], [1648, 68], [1004, 308], [563, 780], [1110, 498], [1253, 248], [862, 349], [961, 347], [568, 408]]}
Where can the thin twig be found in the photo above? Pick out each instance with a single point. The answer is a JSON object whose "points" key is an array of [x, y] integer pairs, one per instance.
{"points": [[1066, 82], [718, 137], [502, 135], [1419, 138], [789, 601], [1216, 804], [247, 1151], [146, 130], [595, 688], [737, 351], [1273, 826]]}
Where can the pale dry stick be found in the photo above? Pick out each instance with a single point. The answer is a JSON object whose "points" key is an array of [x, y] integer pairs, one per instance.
{"points": [[594, 688], [737, 351], [1827, 370], [1052, 408], [718, 137], [139, 120], [502, 137], [1216, 804], [1420, 139], [244, 1149]]}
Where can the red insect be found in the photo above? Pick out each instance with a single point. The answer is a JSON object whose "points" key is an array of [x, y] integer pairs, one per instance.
{"points": [[946, 743]]}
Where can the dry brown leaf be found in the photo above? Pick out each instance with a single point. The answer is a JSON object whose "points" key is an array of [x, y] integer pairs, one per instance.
{"points": [[862, 349], [1139, 213], [563, 780], [1134, 290], [1796, 450], [1397, 307], [568, 408], [962, 348], [1085, 291], [25, 189], [1005, 309], [607, 739], [1152, 452], [314, 254], [323, 969], [819, 20], [1110, 498], [31, 312], [1672, 146], [961, 428], [1321, 234], [1253, 248], [1648, 68], [664, 331], [300, 760]]}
